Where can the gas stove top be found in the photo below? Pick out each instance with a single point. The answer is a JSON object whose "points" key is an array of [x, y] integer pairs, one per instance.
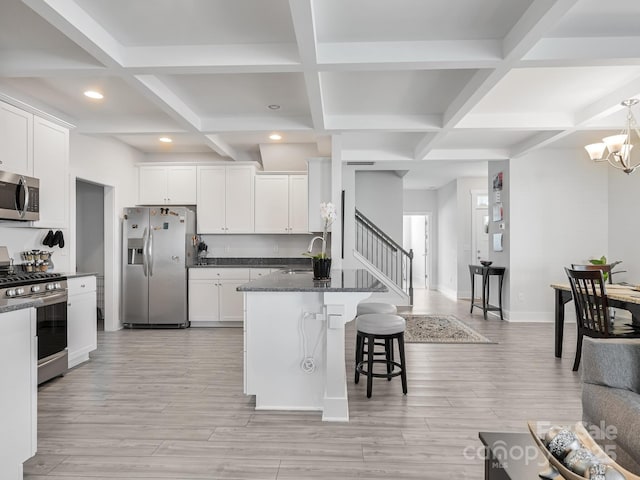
{"points": [[26, 278]]}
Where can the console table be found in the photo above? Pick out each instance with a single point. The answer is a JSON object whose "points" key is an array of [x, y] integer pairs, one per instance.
{"points": [[486, 273]]}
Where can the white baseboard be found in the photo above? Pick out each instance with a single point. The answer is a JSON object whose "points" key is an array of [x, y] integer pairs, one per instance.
{"points": [[448, 292]]}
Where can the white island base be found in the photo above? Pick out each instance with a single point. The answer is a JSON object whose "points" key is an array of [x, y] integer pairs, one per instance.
{"points": [[295, 350]]}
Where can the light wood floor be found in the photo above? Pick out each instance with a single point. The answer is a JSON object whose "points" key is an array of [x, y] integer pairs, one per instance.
{"points": [[168, 404]]}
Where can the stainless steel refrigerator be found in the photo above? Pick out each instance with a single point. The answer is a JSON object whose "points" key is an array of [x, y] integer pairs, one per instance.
{"points": [[158, 246]]}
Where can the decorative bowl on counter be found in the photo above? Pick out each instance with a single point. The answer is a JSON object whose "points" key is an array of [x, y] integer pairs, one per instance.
{"points": [[485, 263]]}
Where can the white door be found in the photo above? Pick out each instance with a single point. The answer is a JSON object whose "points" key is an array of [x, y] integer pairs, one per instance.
{"points": [[181, 185], [481, 231], [16, 143], [51, 166], [153, 185], [211, 200], [416, 238], [272, 203], [231, 301], [239, 199], [298, 208]]}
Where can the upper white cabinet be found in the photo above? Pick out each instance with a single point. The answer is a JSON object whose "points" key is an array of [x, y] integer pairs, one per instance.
{"points": [[281, 204], [51, 166], [319, 190], [33, 146], [167, 185], [225, 199], [298, 204], [16, 140]]}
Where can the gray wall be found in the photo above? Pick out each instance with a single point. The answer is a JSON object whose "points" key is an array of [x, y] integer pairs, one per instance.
{"points": [[500, 259], [89, 228], [559, 215], [379, 198]]}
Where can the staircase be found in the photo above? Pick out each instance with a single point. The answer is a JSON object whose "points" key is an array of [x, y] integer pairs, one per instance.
{"points": [[387, 260]]}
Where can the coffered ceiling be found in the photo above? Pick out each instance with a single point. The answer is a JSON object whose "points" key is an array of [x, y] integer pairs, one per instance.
{"points": [[403, 83]]}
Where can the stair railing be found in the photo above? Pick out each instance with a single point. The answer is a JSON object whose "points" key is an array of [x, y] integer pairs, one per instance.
{"points": [[385, 254]]}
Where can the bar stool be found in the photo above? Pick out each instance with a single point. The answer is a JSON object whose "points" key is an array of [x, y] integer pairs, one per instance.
{"points": [[380, 326], [376, 307]]}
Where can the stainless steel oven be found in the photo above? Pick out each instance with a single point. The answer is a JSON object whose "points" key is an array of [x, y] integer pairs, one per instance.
{"points": [[19, 197], [51, 289]]}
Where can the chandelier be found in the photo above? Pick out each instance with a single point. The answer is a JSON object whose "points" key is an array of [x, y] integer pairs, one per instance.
{"points": [[619, 146]]}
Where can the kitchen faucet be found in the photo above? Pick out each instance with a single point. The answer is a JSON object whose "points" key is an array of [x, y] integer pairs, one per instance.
{"points": [[313, 241]]}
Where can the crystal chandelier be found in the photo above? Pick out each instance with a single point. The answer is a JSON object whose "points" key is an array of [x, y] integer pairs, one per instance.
{"points": [[619, 146]]}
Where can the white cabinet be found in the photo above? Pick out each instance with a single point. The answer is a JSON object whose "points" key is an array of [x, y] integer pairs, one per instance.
{"points": [[19, 397], [225, 199], [167, 185], [33, 146], [256, 273], [319, 190], [213, 296], [51, 166], [82, 335], [281, 204], [16, 140]]}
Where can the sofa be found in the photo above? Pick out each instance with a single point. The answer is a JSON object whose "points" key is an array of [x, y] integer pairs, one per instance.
{"points": [[611, 397]]}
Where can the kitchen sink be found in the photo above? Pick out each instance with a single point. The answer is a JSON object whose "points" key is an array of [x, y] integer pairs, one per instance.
{"points": [[296, 271]]}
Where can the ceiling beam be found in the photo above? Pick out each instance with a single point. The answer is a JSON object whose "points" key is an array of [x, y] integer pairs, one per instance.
{"points": [[584, 51], [305, 30], [410, 55], [75, 23], [537, 20], [223, 149]]}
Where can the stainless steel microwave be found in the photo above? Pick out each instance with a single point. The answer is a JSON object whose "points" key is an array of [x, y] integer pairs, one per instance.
{"points": [[19, 197]]}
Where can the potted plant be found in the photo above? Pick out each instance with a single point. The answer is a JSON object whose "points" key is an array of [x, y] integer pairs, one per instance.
{"points": [[321, 262]]}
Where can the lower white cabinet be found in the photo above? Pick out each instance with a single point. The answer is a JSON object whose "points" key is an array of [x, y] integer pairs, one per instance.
{"points": [[82, 328], [19, 392], [213, 297]]}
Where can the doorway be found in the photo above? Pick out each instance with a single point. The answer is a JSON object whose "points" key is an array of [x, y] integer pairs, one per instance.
{"points": [[90, 256], [416, 236]]}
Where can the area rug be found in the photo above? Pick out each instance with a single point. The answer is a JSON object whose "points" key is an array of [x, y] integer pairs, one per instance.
{"points": [[440, 329]]}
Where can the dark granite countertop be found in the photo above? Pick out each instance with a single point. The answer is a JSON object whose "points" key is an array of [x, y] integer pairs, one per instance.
{"points": [[255, 262], [302, 281], [11, 304]]}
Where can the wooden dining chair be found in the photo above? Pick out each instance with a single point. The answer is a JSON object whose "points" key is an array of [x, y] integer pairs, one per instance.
{"points": [[605, 269], [592, 309]]}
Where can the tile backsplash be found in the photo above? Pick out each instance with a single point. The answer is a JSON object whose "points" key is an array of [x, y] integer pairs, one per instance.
{"points": [[258, 245]]}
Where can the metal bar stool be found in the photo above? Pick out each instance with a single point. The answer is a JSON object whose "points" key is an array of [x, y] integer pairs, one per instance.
{"points": [[386, 327]]}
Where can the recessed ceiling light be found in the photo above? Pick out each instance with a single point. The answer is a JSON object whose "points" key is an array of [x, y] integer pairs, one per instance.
{"points": [[165, 140], [275, 136], [93, 94], [273, 106]]}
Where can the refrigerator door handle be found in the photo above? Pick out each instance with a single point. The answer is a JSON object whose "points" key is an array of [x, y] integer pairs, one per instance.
{"points": [[150, 252], [145, 261]]}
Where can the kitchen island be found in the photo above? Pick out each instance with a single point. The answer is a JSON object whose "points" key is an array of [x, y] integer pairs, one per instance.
{"points": [[294, 331]]}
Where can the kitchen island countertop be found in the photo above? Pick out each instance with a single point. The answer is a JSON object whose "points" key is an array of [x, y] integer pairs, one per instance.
{"points": [[301, 280]]}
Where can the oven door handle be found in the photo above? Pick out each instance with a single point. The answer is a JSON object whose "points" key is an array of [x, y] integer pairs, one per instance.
{"points": [[53, 299]]}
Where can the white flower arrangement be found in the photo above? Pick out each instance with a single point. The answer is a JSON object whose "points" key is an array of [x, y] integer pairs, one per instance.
{"points": [[328, 215]]}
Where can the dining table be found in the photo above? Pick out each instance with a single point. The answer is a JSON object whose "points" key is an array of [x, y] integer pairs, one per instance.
{"points": [[623, 296]]}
